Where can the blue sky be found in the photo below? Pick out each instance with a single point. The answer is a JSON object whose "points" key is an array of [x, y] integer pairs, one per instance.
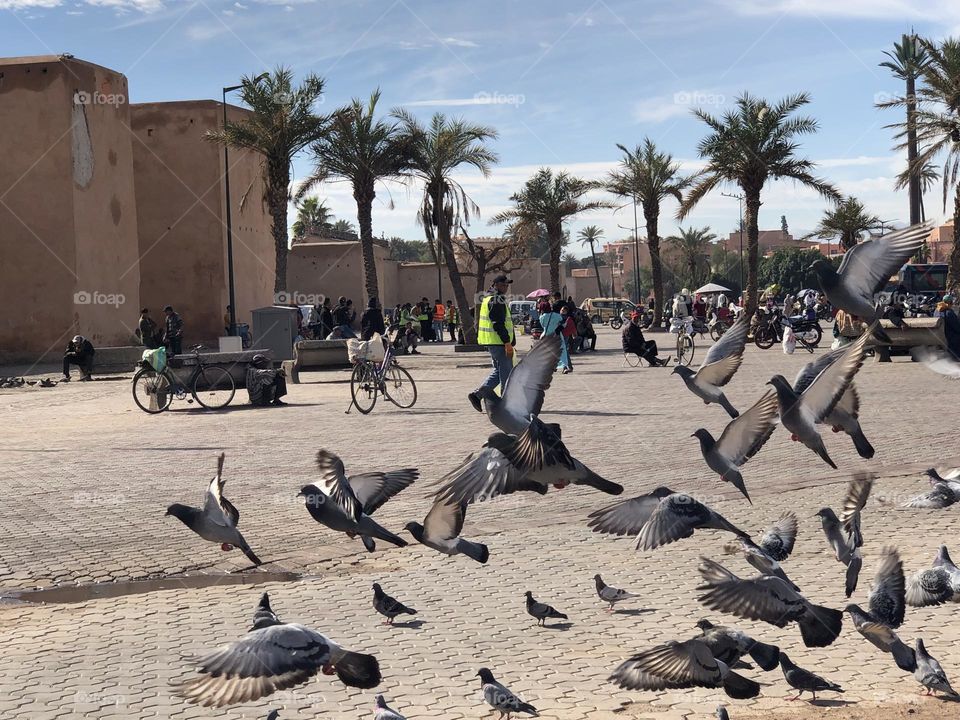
{"points": [[562, 81]]}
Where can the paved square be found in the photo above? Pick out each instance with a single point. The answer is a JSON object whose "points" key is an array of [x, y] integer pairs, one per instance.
{"points": [[88, 476]]}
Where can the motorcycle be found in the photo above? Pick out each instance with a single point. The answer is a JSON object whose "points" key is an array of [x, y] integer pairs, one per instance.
{"points": [[770, 330]]}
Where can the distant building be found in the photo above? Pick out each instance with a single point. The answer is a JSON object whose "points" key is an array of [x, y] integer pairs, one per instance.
{"points": [[768, 241]]}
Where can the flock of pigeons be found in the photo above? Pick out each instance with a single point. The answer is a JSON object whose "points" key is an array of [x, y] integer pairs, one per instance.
{"points": [[528, 454]]}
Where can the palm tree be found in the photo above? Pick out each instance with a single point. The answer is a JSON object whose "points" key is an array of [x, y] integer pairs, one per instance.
{"points": [[548, 200], [590, 235], [938, 132], [649, 176], [363, 151], [907, 62], [436, 151], [694, 246], [344, 226], [748, 146], [848, 220], [312, 216], [281, 124]]}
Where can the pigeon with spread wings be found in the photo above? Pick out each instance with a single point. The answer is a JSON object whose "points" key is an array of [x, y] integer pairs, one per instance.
{"points": [[441, 530], [722, 362]]}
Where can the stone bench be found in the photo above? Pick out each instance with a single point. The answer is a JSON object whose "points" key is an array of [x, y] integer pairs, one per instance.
{"points": [[233, 362], [116, 359], [316, 355], [915, 332]]}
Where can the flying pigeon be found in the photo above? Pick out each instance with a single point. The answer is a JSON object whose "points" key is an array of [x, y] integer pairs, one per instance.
{"points": [[935, 585], [769, 599], [274, 656], [441, 531], [541, 611], [524, 391], [938, 360], [371, 490], [803, 680], [800, 412], [866, 268], [610, 594], [659, 518], [335, 485], [930, 674], [722, 362], [534, 460], [942, 493], [387, 606], [843, 533], [763, 562], [217, 521], [776, 542], [887, 602], [501, 699], [729, 645], [382, 712], [681, 665], [740, 440], [846, 413]]}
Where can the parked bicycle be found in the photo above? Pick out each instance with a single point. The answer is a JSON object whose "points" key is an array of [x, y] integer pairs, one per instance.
{"points": [[371, 378], [684, 329], [210, 385]]}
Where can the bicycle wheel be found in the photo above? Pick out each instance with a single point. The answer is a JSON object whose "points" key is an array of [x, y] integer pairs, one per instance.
{"points": [[399, 387], [685, 349], [363, 387], [764, 338], [152, 391], [213, 387], [616, 323], [632, 359], [717, 331], [812, 336]]}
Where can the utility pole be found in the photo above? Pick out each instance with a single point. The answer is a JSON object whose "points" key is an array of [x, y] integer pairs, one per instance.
{"points": [[739, 198]]}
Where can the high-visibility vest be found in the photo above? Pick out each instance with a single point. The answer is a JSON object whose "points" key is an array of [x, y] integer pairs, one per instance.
{"points": [[439, 312], [486, 335]]}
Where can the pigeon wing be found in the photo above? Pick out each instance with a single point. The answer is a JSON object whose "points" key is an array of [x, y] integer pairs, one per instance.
{"points": [[743, 437], [888, 596], [374, 489], [938, 360], [724, 357], [626, 517], [822, 395], [858, 490], [530, 378], [445, 520], [765, 598], [674, 664], [929, 587], [482, 476], [538, 447], [778, 539], [867, 266], [808, 373], [216, 507], [674, 518], [938, 497], [333, 482]]}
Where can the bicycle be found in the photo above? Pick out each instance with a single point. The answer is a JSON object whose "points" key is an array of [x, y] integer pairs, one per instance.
{"points": [[210, 385], [370, 379], [685, 345]]}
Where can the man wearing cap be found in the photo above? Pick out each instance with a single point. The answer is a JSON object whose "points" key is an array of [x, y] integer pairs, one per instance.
{"points": [[172, 331], [951, 324], [79, 352], [495, 332]]}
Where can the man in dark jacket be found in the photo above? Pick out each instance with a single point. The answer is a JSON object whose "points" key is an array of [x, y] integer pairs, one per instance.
{"points": [[173, 332], [343, 318], [79, 352], [148, 331], [326, 319], [372, 321], [635, 343], [265, 384]]}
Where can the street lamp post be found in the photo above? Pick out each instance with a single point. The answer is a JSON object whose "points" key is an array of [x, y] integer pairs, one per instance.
{"points": [[636, 252], [739, 198]]}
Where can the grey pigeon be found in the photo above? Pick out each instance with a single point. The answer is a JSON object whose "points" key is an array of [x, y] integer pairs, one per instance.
{"points": [[659, 518], [803, 680], [383, 712], [441, 531], [217, 520], [930, 674], [388, 606], [938, 360], [335, 485], [525, 388], [501, 699], [541, 611], [681, 665], [866, 268], [769, 599], [721, 713], [801, 412], [844, 533], [730, 645], [273, 656], [846, 413], [722, 362], [274, 714], [371, 490], [763, 562], [740, 440], [939, 496], [935, 585], [532, 461], [778, 540], [887, 602], [610, 594]]}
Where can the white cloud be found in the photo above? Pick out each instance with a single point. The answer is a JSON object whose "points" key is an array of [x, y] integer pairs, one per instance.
{"points": [[459, 42], [206, 31], [929, 10], [657, 110], [23, 4]]}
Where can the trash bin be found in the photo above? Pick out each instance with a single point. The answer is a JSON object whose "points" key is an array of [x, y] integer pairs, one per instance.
{"points": [[275, 329]]}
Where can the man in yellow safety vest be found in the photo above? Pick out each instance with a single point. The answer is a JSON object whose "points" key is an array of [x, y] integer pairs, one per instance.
{"points": [[495, 332]]}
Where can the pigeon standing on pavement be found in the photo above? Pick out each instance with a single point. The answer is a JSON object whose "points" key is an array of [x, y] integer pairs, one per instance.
{"points": [[935, 585], [803, 680], [217, 520], [387, 606], [610, 594], [659, 518], [930, 674], [729, 645], [383, 712], [541, 611], [722, 362], [273, 656], [887, 602], [501, 699], [800, 412], [770, 599], [441, 532], [740, 440]]}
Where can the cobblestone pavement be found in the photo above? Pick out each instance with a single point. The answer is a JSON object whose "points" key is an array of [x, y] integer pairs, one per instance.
{"points": [[87, 477]]}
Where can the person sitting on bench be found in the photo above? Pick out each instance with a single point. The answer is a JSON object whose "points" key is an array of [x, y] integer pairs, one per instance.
{"points": [[79, 352]]}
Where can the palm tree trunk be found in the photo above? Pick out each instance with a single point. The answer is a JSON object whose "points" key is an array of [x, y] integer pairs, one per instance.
{"points": [[468, 322], [596, 269], [651, 215], [953, 270], [364, 198], [913, 186], [751, 294], [278, 183], [554, 238]]}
